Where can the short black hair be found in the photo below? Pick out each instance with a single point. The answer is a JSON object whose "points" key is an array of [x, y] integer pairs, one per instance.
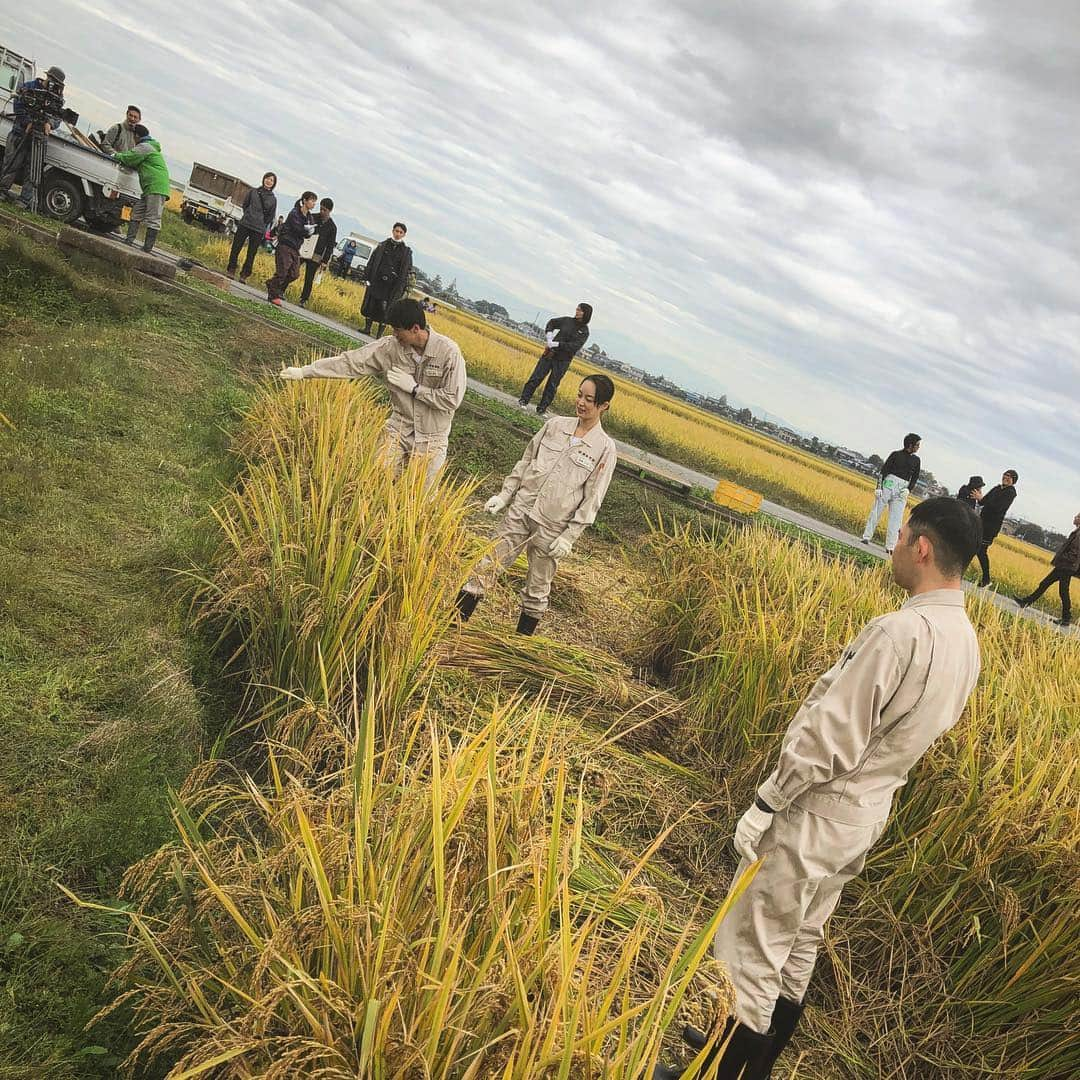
{"points": [[308, 195], [134, 108], [605, 388], [328, 203], [910, 439], [140, 131], [400, 225], [953, 529], [405, 314], [1013, 473]]}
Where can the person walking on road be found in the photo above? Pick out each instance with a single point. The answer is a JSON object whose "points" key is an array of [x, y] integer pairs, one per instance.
{"points": [[971, 492], [326, 241], [553, 494], [993, 508], [387, 275], [900, 685], [146, 157], [899, 474], [294, 230], [260, 206], [565, 337], [1066, 566], [121, 136], [426, 375]]}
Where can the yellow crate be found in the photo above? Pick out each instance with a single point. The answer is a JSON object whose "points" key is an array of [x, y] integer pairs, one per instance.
{"points": [[737, 498]]}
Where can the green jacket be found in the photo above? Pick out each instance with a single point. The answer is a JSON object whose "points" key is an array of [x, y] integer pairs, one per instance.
{"points": [[147, 158]]}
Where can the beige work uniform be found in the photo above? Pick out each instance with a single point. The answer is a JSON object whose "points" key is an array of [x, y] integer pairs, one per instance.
{"points": [[418, 426], [902, 683], [556, 489]]}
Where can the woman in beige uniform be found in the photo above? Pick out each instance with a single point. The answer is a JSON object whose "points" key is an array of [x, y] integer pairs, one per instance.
{"points": [[553, 493]]}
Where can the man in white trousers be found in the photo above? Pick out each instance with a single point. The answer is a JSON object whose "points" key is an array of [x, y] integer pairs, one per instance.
{"points": [[899, 475], [426, 375], [902, 683]]}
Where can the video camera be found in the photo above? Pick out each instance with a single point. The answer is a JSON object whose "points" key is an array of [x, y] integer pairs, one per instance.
{"points": [[44, 104]]}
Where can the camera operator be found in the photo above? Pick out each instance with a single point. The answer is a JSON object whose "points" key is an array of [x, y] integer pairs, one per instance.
{"points": [[38, 108]]}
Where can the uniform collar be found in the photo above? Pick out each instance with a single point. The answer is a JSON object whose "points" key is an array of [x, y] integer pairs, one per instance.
{"points": [[948, 597], [593, 438]]}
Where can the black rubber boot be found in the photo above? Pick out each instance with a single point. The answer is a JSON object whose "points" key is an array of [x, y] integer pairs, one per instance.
{"points": [[149, 240], [785, 1019], [466, 604], [133, 231], [527, 623], [745, 1057]]}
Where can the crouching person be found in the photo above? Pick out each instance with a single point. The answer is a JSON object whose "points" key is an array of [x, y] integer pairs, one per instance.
{"points": [[553, 494], [426, 375], [900, 685]]}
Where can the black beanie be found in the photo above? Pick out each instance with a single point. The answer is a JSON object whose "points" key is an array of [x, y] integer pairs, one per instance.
{"points": [[586, 310]]}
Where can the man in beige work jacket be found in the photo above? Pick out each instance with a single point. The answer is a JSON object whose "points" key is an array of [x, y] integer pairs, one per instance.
{"points": [[426, 375], [553, 493], [897, 687]]}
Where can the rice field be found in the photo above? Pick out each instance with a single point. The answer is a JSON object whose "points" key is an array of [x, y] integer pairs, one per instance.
{"points": [[959, 947]]}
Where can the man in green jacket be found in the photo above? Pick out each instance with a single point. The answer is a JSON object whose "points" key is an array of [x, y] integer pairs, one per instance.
{"points": [[147, 159]]}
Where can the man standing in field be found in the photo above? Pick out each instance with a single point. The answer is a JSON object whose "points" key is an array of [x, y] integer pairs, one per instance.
{"points": [[387, 275], [993, 508], [554, 493], [326, 227], [565, 338], [1066, 565], [426, 375], [899, 475], [902, 683], [147, 159]]}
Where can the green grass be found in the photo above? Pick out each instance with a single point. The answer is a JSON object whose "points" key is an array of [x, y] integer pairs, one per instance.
{"points": [[118, 400]]}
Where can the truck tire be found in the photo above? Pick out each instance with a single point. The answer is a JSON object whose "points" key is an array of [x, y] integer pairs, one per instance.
{"points": [[61, 198], [186, 214]]}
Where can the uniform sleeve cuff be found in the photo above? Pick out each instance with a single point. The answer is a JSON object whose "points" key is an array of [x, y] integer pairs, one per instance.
{"points": [[771, 794]]}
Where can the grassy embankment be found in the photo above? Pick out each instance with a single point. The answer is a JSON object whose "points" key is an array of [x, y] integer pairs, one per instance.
{"points": [[650, 420]]}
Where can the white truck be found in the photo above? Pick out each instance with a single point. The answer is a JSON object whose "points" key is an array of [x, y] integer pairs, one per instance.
{"points": [[214, 198], [365, 245], [78, 181]]}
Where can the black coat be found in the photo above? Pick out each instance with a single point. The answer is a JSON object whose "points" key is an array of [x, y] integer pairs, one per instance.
{"points": [[388, 269], [995, 505], [324, 246], [296, 228], [1068, 555], [572, 335]]}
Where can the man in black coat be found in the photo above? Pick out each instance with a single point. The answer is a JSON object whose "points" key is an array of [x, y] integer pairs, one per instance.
{"points": [[565, 338], [326, 228], [387, 277], [1066, 566], [995, 505]]}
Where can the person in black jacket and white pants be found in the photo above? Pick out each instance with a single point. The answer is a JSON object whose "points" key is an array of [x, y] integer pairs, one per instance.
{"points": [[899, 475], [565, 338]]}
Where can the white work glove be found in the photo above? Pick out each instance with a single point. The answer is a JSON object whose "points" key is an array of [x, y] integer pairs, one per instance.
{"points": [[751, 828], [291, 373], [561, 547], [495, 505], [401, 380], [309, 230]]}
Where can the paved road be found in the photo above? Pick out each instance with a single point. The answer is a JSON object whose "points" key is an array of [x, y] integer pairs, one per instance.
{"points": [[632, 453]]}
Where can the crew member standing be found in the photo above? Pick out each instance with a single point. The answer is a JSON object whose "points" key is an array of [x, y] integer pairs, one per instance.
{"points": [[37, 102], [993, 508], [902, 683], [387, 275], [899, 475], [294, 230], [149, 162], [426, 375], [1066, 565], [260, 206], [554, 493], [325, 243], [121, 136], [565, 338]]}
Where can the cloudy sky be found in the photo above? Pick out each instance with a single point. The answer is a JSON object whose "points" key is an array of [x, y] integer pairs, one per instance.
{"points": [[859, 216]]}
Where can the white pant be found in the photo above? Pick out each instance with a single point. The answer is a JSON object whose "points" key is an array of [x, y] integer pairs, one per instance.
{"points": [[893, 497], [769, 940]]}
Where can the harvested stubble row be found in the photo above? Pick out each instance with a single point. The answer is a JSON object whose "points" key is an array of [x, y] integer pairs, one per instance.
{"points": [[957, 955], [407, 891]]}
